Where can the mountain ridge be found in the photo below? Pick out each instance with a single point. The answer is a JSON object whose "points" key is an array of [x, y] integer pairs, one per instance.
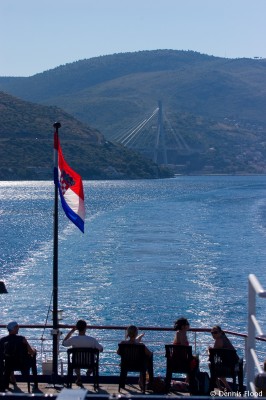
{"points": [[212, 102], [194, 76]]}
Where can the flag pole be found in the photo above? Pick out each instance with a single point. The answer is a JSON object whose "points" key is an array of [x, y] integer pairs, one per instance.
{"points": [[56, 126]]}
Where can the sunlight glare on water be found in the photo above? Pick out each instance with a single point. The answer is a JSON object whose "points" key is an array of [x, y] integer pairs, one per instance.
{"points": [[152, 251]]}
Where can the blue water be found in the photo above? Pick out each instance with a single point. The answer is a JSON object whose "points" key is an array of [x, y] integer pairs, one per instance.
{"points": [[152, 251]]}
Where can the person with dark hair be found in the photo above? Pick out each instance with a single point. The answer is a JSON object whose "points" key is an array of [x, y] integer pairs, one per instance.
{"points": [[81, 340], [181, 326], [221, 341]]}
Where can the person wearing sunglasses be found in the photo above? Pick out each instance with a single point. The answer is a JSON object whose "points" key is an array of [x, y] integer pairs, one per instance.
{"points": [[221, 341]]}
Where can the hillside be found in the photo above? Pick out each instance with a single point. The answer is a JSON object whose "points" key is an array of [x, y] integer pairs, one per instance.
{"points": [[26, 146], [184, 80], [216, 105]]}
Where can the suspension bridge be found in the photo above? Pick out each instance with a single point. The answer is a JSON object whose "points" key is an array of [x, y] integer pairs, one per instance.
{"points": [[154, 137]]}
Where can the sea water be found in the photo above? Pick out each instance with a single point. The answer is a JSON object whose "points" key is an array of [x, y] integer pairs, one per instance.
{"points": [[153, 250]]}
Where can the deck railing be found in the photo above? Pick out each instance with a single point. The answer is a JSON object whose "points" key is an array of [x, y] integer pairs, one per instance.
{"points": [[254, 290], [39, 336]]}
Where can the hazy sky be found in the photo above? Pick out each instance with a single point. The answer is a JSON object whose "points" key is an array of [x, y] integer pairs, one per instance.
{"points": [[37, 35]]}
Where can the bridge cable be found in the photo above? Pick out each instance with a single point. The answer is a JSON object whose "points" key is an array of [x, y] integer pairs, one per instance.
{"points": [[133, 134], [127, 136]]}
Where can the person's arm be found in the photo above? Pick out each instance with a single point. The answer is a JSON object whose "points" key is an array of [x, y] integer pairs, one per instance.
{"points": [[117, 351], [30, 349], [68, 336], [98, 346], [176, 339], [139, 337], [148, 352], [123, 341]]}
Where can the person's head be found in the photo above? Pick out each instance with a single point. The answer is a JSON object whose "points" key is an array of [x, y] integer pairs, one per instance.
{"points": [[81, 325], [216, 331], [132, 332], [181, 323], [12, 327]]}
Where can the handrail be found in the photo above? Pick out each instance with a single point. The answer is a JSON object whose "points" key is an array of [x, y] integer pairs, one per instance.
{"points": [[122, 327], [254, 290], [200, 342], [39, 336]]}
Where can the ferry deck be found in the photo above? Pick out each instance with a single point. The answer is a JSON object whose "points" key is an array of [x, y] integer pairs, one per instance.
{"points": [[250, 346]]}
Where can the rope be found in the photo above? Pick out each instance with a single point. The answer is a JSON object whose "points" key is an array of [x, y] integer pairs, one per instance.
{"points": [[45, 324]]}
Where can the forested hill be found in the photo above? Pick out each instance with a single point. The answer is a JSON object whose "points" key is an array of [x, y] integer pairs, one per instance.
{"points": [[26, 146], [100, 89], [216, 105], [73, 77]]}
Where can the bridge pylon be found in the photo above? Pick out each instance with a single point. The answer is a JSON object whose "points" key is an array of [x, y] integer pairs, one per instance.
{"points": [[160, 138]]}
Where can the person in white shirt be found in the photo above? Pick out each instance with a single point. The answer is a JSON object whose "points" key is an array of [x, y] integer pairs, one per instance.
{"points": [[81, 340]]}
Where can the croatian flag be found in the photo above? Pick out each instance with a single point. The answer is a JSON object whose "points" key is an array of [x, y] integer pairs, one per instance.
{"points": [[70, 187]]}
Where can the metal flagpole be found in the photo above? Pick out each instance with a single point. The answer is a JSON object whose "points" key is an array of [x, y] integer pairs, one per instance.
{"points": [[56, 126]]}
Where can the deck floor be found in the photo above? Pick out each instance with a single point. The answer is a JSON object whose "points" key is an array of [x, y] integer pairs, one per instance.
{"points": [[104, 389]]}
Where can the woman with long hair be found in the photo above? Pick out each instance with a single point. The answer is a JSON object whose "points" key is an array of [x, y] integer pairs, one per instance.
{"points": [[181, 326], [221, 341]]}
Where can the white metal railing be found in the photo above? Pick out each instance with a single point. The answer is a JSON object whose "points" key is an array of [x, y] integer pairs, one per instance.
{"points": [[254, 290], [109, 336]]}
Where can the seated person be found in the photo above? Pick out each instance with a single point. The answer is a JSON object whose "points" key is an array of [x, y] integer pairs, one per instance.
{"points": [[134, 338], [181, 326], [260, 381], [16, 348], [81, 340], [221, 341]]}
